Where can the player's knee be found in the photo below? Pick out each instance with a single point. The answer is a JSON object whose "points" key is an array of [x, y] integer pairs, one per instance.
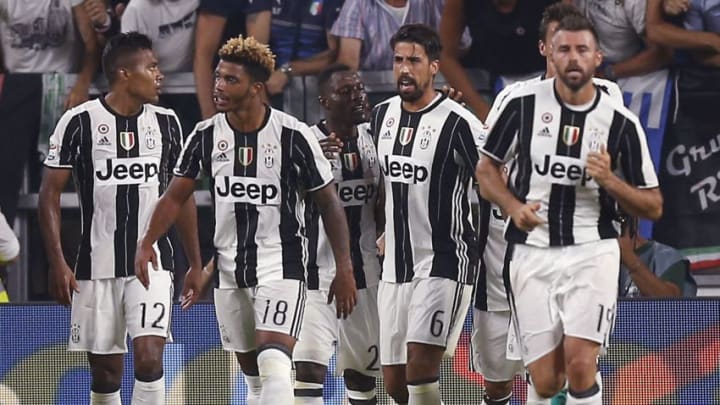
{"points": [[248, 362], [310, 372], [358, 382], [581, 370], [498, 389], [148, 362], [106, 373], [547, 385], [423, 361]]}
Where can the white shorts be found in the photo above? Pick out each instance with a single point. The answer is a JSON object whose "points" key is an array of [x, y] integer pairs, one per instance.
{"points": [[105, 311], [357, 336], [276, 306], [427, 310], [563, 291], [488, 346]]}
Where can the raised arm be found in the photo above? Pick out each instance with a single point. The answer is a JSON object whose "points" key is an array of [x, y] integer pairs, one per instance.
{"points": [[208, 34], [90, 58]]}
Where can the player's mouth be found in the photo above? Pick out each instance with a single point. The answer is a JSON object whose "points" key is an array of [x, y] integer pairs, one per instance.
{"points": [[406, 84], [220, 100]]}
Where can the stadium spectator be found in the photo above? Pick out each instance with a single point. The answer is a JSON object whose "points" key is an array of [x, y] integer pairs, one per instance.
{"points": [[46, 36], [300, 38], [105, 16], [504, 42], [621, 28], [649, 268], [366, 26], [217, 21], [170, 24], [686, 24]]}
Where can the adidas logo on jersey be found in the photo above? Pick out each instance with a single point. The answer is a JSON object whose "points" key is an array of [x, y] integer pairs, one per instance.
{"points": [[222, 158], [127, 170], [246, 190], [544, 132], [104, 141], [356, 192], [564, 170], [404, 170]]}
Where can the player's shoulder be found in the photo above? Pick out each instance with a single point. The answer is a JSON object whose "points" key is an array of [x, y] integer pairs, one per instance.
{"points": [[387, 103], [156, 109], [89, 107], [319, 130], [285, 120], [452, 106], [539, 88], [609, 87]]}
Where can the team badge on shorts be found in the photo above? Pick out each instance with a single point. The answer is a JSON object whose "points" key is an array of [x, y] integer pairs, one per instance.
{"points": [[570, 135], [245, 155], [127, 140], [75, 332]]}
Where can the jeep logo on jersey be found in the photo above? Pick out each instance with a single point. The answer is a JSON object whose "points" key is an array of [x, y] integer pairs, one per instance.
{"points": [[564, 170], [570, 135], [351, 161], [123, 171], [249, 190], [245, 155], [127, 140], [403, 169], [356, 192], [405, 135]]}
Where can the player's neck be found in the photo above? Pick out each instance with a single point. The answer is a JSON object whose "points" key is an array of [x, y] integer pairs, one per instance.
{"points": [[549, 71], [247, 120], [421, 103], [123, 103], [342, 128], [583, 95]]}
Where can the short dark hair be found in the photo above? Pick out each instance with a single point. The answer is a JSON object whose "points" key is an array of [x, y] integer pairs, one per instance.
{"points": [[119, 48], [420, 34], [576, 23], [257, 58], [555, 13], [325, 75]]}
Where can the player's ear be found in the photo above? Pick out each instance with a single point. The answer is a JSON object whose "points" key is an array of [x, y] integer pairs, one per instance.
{"points": [[435, 67], [542, 48], [598, 58]]}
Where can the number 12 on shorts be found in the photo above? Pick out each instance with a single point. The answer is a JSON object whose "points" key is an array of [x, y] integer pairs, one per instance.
{"points": [[160, 309]]}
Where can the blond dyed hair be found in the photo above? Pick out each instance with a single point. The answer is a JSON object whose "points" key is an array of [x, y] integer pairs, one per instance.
{"points": [[250, 53]]}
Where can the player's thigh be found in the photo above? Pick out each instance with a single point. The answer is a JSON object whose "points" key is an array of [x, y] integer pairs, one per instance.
{"points": [[533, 274], [148, 311], [279, 309], [488, 346], [437, 312], [394, 299], [319, 330], [589, 303], [234, 309], [359, 337], [97, 317]]}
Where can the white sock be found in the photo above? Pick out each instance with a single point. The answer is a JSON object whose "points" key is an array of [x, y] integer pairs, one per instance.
{"points": [[254, 386], [598, 380], [504, 400], [361, 397], [275, 372], [149, 393], [592, 396], [533, 398], [112, 398], [424, 394], [308, 393]]}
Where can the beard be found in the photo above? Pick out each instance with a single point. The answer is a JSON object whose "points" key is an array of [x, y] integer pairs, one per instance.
{"points": [[574, 77], [410, 95]]}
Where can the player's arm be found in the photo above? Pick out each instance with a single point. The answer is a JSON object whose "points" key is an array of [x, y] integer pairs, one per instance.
{"points": [[89, 60], [343, 287], [639, 195], [174, 201], [62, 279], [452, 26]]}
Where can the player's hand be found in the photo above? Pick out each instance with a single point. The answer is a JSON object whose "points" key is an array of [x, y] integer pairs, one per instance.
{"points": [[453, 94], [196, 283], [598, 165], [77, 96], [95, 9], [344, 291], [62, 284], [380, 244], [525, 217], [331, 146], [143, 255]]}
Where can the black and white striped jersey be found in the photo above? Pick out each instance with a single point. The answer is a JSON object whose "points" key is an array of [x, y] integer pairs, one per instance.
{"points": [[258, 182], [357, 178], [121, 165], [550, 142], [428, 160], [490, 288]]}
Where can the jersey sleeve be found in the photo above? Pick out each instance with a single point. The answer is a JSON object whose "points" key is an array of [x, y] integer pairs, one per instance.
{"points": [[64, 144], [467, 141], [9, 245], [634, 156], [173, 129], [503, 131], [190, 160], [307, 156]]}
